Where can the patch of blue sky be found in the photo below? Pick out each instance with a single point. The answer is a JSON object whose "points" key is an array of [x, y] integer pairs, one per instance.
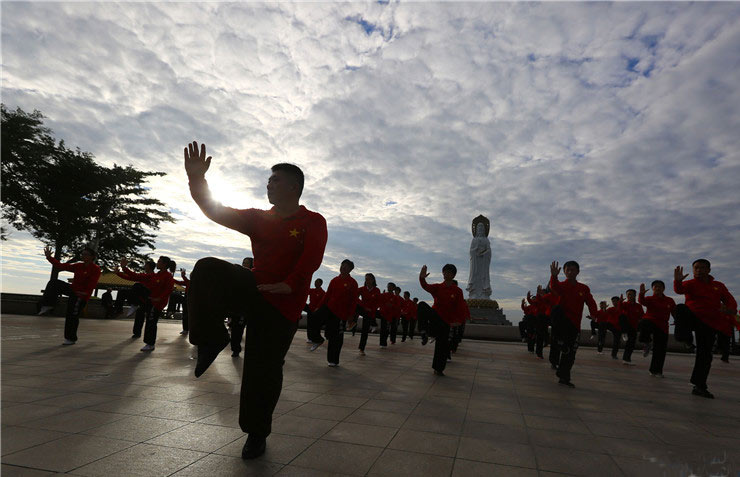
{"points": [[366, 25], [390, 203]]}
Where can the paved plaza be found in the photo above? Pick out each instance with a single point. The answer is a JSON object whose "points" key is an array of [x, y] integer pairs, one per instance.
{"points": [[103, 408]]}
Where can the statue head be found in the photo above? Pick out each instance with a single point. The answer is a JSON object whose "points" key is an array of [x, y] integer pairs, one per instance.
{"points": [[481, 220], [480, 230]]}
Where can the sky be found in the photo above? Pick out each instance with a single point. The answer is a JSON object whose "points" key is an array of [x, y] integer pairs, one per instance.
{"points": [[597, 132]]}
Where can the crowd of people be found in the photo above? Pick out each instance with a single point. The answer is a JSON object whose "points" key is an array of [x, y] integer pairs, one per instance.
{"points": [[707, 317], [266, 296]]}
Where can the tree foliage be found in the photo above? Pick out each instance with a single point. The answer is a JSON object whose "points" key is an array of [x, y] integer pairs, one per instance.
{"points": [[67, 200]]}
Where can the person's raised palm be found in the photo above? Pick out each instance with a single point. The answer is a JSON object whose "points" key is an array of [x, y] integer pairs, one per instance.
{"points": [[196, 162]]}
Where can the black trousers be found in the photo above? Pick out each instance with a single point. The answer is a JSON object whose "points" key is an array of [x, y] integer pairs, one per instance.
{"points": [[650, 332], [456, 335], [136, 295], [150, 328], [541, 325], [564, 343], [438, 328], [594, 327], [185, 313], [367, 318], [530, 331], [412, 327], [140, 317], [384, 330], [393, 329], [404, 328], [686, 322], [723, 344], [616, 335], [631, 332], [217, 287], [75, 305], [237, 324], [335, 335], [314, 322]]}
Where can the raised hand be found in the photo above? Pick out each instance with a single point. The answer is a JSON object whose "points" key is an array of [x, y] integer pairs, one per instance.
{"points": [[124, 262], [182, 273], [678, 274], [621, 297], [642, 289], [523, 303], [423, 273], [529, 296], [539, 289], [196, 163], [47, 251], [554, 269]]}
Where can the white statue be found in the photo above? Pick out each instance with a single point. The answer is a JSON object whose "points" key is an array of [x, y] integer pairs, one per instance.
{"points": [[479, 282]]}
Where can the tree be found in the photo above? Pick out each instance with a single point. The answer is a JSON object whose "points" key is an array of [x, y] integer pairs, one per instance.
{"points": [[67, 200]]}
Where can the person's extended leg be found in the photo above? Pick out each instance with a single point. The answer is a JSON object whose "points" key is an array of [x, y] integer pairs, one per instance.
{"points": [[150, 329], [569, 348], [602, 337], [52, 290], [365, 330], [660, 345], [394, 330], [238, 323], [383, 332], [75, 306], [441, 343], [723, 343], [216, 287], [630, 345], [332, 335], [412, 327], [404, 329]]}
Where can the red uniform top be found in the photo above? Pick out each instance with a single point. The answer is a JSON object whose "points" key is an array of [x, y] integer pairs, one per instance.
{"points": [[601, 316], [659, 309], [704, 300], [286, 250], [315, 297], [544, 303], [448, 301], [184, 282], [529, 309], [389, 307], [85, 276], [369, 299], [573, 295], [408, 309], [612, 317], [341, 297], [633, 312], [466, 312], [160, 285]]}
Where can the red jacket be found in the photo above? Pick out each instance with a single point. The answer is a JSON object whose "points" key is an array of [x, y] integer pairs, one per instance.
{"points": [[160, 285], [315, 297], [390, 307], [448, 301], [369, 299], [544, 303], [286, 250], [341, 297], [573, 295], [85, 276], [704, 300], [408, 309], [601, 316], [529, 309], [659, 309], [612, 317], [633, 312]]}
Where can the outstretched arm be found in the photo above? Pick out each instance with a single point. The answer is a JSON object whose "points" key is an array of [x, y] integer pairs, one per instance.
{"points": [[196, 165]]}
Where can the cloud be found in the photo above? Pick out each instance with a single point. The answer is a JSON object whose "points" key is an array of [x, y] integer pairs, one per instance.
{"points": [[606, 133]]}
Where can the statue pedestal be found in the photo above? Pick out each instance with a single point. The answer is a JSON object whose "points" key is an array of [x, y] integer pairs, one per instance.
{"points": [[486, 312]]}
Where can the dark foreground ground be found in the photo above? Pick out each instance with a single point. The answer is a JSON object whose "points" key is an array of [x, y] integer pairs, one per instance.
{"points": [[101, 407]]}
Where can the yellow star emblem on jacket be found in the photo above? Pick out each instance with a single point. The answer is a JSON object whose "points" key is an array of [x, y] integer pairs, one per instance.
{"points": [[294, 233]]}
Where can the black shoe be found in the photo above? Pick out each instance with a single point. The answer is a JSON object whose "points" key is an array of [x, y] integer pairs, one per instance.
{"points": [[438, 373], [702, 392], [424, 339], [254, 447], [135, 337], [726, 360], [206, 356], [234, 354], [565, 382], [553, 366]]}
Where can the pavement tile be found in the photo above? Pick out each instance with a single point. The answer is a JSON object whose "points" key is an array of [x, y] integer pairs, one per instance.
{"points": [[136, 428], [425, 442], [198, 437], [361, 434], [76, 420], [15, 471], [468, 468], [301, 426], [16, 438], [397, 462], [576, 462], [66, 453], [496, 452], [319, 411], [215, 464], [281, 448], [339, 457], [143, 460], [377, 418]]}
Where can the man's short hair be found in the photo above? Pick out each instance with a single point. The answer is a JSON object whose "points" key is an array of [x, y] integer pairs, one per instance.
{"points": [[172, 266], [350, 263], [249, 260], [319, 281], [166, 260], [391, 285], [406, 294], [632, 290], [572, 263], [702, 261], [451, 268], [657, 282], [150, 264], [372, 277], [615, 298], [293, 171]]}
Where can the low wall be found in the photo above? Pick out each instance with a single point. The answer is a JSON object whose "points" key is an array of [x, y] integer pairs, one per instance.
{"points": [[19, 304]]}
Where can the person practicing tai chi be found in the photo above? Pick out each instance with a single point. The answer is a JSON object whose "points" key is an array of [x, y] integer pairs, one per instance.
{"points": [[367, 308], [288, 244], [408, 317], [527, 325], [708, 310], [600, 321], [631, 314], [160, 286], [84, 280], [386, 311], [654, 326], [448, 306], [544, 301], [337, 307], [397, 307], [315, 296], [566, 318]]}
